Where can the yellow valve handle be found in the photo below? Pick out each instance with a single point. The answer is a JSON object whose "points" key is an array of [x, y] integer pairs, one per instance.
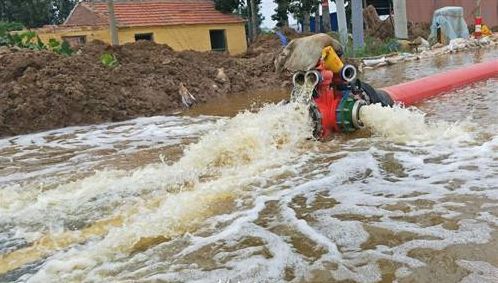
{"points": [[331, 61]]}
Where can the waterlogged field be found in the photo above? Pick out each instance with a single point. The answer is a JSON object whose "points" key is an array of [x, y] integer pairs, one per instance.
{"points": [[413, 198]]}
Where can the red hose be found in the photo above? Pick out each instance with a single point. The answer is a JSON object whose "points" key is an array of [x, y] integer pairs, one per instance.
{"points": [[415, 91]]}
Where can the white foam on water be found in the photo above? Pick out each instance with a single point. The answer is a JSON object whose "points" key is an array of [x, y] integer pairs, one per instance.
{"points": [[349, 235], [422, 189], [29, 206], [31, 157], [482, 272], [231, 157], [408, 124]]}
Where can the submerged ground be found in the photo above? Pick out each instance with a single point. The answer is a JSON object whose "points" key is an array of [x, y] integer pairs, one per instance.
{"points": [[252, 199]]}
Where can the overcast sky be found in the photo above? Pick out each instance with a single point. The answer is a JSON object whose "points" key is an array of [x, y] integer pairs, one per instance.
{"points": [[267, 8]]}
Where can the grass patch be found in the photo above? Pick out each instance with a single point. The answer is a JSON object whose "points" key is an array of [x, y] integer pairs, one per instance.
{"points": [[373, 47]]}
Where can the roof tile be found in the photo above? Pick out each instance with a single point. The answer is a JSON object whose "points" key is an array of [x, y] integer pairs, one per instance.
{"points": [[161, 12]]}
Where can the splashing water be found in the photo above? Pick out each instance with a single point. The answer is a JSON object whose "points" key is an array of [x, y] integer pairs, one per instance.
{"points": [[253, 201], [173, 200], [302, 93], [401, 124]]}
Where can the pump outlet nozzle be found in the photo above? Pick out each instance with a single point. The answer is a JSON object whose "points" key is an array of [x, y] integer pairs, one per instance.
{"points": [[348, 114], [348, 73]]}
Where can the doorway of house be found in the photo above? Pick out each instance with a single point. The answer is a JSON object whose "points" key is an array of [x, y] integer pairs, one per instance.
{"points": [[218, 40]]}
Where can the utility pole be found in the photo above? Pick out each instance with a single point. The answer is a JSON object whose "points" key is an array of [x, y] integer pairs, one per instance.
{"points": [[254, 17], [249, 22], [326, 16], [341, 22], [317, 18], [400, 22], [112, 23], [357, 17], [306, 21]]}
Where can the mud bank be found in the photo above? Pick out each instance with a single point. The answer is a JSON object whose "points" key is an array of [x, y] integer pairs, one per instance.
{"points": [[43, 90]]}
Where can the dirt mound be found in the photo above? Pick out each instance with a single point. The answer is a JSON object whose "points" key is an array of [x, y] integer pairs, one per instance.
{"points": [[378, 28], [419, 30], [43, 90], [375, 26], [270, 43]]}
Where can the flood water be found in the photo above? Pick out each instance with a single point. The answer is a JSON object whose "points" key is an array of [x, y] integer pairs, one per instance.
{"points": [[216, 196]]}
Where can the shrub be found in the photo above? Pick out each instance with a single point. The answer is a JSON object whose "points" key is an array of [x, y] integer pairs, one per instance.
{"points": [[373, 47], [10, 26], [109, 60], [59, 47], [30, 40]]}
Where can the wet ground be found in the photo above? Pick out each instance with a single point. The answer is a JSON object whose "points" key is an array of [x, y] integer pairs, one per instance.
{"points": [[252, 199]]}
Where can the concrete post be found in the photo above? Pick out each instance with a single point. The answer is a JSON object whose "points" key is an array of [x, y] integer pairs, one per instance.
{"points": [[113, 29], [400, 21], [254, 17], [306, 21], [341, 22], [249, 23], [357, 15], [317, 18], [326, 16]]}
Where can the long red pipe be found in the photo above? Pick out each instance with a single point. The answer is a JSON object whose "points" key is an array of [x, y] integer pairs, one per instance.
{"points": [[415, 91]]}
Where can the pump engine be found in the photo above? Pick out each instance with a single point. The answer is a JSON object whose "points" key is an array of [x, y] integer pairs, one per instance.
{"points": [[334, 95]]}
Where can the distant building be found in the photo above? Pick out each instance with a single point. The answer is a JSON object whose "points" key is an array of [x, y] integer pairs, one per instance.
{"points": [[383, 7], [181, 24], [421, 11]]}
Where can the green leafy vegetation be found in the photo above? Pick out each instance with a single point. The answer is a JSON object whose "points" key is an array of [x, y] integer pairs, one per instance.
{"points": [[10, 26], [33, 14], [109, 60], [228, 6], [59, 47], [27, 39], [30, 40], [242, 8], [373, 47], [281, 12]]}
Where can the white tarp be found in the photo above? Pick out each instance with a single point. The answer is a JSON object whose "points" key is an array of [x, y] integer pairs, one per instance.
{"points": [[451, 22]]}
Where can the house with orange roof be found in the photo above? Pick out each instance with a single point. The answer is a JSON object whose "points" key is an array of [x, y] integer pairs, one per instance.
{"points": [[181, 24]]}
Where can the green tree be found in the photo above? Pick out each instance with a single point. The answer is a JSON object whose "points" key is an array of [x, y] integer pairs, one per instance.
{"points": [[302, 9], [61, 9], [281, 13], [35, 13], [228, 6], [243, 8], [31, 13]]}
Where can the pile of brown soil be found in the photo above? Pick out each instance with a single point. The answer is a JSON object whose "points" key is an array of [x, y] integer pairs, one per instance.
{"points": [[43, 90], [385, 29], [270, 43], [375, 26], [416, 30]]}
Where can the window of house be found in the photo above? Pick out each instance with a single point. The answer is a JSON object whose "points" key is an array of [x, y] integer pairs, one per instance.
{"points": [[144, 36], [75, 41], [218, 40]]}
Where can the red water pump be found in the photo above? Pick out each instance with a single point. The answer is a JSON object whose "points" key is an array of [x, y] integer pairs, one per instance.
{"points": [[334, 103], [335, 96]]}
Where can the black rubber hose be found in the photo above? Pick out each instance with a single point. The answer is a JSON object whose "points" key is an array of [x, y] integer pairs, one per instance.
{"points": [[376, 96]]}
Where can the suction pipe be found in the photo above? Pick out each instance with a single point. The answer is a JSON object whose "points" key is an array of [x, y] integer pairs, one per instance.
{"points": [[415, 91]]}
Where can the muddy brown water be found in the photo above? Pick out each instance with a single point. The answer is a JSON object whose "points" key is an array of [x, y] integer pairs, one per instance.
{"points": [[212, 196]]}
